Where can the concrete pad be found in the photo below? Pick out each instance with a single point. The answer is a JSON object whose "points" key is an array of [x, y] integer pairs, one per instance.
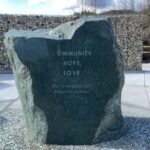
{"points": [[7, 87], [146, 67], [148, 93], [135, 102], [134, 78], [147, 78], [6, 77]]}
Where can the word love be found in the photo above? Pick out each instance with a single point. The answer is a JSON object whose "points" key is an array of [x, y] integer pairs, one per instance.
{"points": [[71, 73]]}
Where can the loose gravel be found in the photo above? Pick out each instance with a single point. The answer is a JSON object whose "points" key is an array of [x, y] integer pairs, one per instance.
{"points": [[13, 135]]}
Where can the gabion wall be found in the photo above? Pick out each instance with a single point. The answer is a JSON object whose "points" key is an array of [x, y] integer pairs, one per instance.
{"points": [[128, 31]]}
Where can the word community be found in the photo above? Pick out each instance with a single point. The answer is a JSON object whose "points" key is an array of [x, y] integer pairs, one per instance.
{"points": [[84, 53]]}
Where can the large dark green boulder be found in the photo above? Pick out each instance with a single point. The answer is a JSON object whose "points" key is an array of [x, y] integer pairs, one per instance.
{"points": [[69, 81]]}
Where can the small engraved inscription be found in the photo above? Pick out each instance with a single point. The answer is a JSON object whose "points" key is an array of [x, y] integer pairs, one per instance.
{"points": [[72, 89], [72, 62], [71, 67]]}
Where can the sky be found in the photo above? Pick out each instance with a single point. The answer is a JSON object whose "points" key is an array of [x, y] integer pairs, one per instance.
{"points": [[46, 7], [50, 7]]}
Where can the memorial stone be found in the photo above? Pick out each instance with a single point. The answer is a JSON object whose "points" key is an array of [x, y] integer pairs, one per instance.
{"points": [[69, 81]]}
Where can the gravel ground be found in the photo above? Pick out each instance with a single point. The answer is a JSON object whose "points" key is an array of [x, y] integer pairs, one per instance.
{"points": [[13, 135]]}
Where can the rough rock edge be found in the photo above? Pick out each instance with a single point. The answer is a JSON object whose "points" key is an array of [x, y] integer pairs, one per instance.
{"points": [[63, 31], [113, 107], [38, 120]]}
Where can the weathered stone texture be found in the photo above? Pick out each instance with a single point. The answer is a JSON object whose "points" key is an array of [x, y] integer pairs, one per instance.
{"points": [[128, 32]]}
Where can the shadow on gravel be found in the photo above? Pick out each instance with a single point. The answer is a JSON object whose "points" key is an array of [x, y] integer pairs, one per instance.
{"points": [[3, 120], [136, 136]]}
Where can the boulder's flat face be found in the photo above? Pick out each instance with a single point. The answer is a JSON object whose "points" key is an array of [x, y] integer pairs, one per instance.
{"points": [[69, 81]]}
